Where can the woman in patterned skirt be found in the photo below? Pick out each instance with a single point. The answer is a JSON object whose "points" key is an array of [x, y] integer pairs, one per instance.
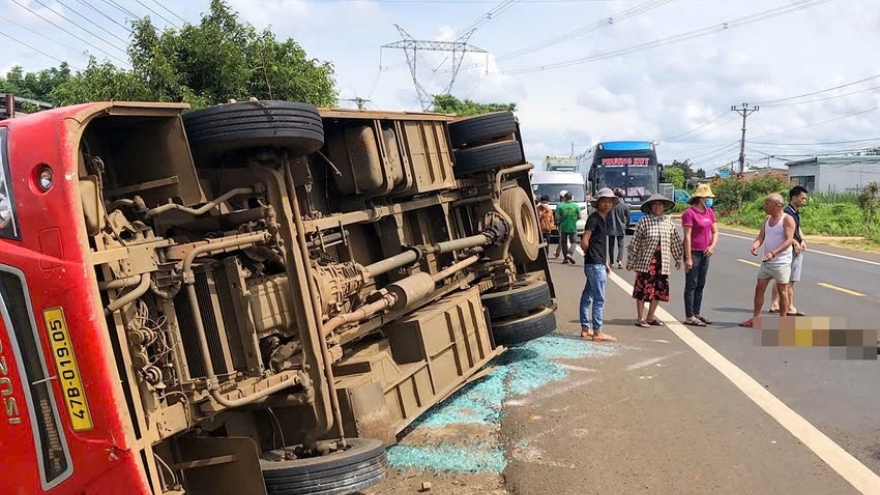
{"points": [[654, 245]]}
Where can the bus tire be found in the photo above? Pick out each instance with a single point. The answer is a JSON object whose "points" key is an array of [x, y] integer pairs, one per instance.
{"points": [[521, 330], [297, 127], [526, 239], [363, 465], [482, 128], [488, 157], [521, 298]]}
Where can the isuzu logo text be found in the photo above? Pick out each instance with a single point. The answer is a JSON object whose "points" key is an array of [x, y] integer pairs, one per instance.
{"points": [[10, 405]]}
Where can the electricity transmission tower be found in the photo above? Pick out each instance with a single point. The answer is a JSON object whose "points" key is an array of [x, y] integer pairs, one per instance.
{"points": [[745, 111], [411, 47], [361, 102]]}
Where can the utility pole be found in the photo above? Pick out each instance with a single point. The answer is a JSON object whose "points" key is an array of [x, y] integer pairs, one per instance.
{"points": [[745, 111]]}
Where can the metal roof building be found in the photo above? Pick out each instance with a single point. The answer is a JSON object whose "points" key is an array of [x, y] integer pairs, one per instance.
{"points": [[835, 173]]}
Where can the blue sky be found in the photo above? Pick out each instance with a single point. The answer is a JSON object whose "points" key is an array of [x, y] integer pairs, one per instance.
{"points": [[576, 77]]}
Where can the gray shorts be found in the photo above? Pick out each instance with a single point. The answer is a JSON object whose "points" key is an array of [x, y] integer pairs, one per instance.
{"points": [[780, 273], [796, 263]]}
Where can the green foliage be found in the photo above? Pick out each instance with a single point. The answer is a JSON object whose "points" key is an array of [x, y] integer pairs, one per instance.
{"points": [[204, 64], [869, 201], [34, 85], [468, 108], [729, 192], [675, 175], [839, 219], [836, 214]]}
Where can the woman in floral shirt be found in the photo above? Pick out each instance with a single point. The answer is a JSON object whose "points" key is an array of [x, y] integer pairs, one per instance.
{"points": [[655, 243]]}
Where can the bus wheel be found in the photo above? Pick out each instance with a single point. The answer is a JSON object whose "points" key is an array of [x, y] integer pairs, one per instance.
{"points": [[480, 129], [524, 244], [522, 330], [296, 127], [488, 157], [343, 472]]}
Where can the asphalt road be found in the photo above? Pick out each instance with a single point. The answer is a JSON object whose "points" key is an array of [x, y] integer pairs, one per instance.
{"points": [[692, 430]]}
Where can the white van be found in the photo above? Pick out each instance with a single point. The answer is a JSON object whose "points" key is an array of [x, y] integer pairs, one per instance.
{"points": [[552, 183]]}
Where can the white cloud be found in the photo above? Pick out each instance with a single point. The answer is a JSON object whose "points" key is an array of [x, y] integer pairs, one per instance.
{"points": [[657, 93]]}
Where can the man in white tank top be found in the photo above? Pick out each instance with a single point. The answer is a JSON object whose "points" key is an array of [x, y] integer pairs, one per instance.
{"points": [[777, 236]]}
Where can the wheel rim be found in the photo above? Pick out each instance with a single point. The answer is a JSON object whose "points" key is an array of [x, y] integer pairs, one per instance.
{"points": [[527, 225]]}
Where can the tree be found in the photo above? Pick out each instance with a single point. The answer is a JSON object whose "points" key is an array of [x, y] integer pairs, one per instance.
{"points": [[869, 202], [684, 166], [451, 104], [675, 175], [204, 64]]}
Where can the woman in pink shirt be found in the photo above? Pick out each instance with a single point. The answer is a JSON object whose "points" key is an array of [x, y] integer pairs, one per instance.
{"points": [[700, 238]]}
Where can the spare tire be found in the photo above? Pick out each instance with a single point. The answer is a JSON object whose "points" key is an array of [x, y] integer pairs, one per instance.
{"points": [[253, 124], [475, 130], [488, 157], [361, 466], [520, 299], [522, 330], [526, 238]]}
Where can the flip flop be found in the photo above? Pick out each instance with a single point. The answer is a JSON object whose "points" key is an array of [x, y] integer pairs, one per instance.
{"points": [[695, 323], [656, 323], [748, 323], [704, 320], [604, 338], [643, 324]]}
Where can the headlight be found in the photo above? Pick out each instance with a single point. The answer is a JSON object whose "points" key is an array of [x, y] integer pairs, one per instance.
{"points": [[8, 227]]}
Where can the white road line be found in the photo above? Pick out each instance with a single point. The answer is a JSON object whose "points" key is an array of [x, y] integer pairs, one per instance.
{"points": [[849, 258], [580, 250], [857, 474]]}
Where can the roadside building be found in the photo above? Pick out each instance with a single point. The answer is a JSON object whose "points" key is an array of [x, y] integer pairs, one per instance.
{"points": [[835, 173]]}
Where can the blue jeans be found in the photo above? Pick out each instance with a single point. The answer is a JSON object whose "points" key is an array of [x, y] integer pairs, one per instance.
{"points": [[695, 281], [594, 293]]}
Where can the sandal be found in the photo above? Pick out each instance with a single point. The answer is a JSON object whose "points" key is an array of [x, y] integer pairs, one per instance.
{"points": [[643, 324], [604, 338], [587, 334], [704, 320], [696, 322], [656, 323], [750, 323]]}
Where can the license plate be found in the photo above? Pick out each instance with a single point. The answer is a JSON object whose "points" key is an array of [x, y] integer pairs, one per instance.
{"points": [[68, 371]]}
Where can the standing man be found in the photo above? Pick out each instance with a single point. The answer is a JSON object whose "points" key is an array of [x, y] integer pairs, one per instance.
{"points": [[596, 267], [567, 215], [777, 236], [618, 221], [797, 198]]}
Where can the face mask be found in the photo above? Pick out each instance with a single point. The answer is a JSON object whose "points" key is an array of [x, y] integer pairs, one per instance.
{"points": [[709, 202]]}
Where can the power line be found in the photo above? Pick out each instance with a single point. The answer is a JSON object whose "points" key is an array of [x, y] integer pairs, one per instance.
{"points": [[674, 138], [101, 12], [84, 17], [742, 21], [488, 16], [599, 24], [169, 11], [68, 32], [820, 123], [41, 52], [777, 101], [157, 14]]}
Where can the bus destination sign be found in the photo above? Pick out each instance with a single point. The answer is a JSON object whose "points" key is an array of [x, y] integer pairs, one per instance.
{"points": [[636, 161]]}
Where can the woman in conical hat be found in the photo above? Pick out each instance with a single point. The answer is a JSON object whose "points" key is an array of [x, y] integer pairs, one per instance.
{"points": [[654, 246]]}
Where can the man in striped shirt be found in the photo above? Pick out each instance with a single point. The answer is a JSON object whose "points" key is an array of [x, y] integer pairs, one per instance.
{"points": [[797, 198]]}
